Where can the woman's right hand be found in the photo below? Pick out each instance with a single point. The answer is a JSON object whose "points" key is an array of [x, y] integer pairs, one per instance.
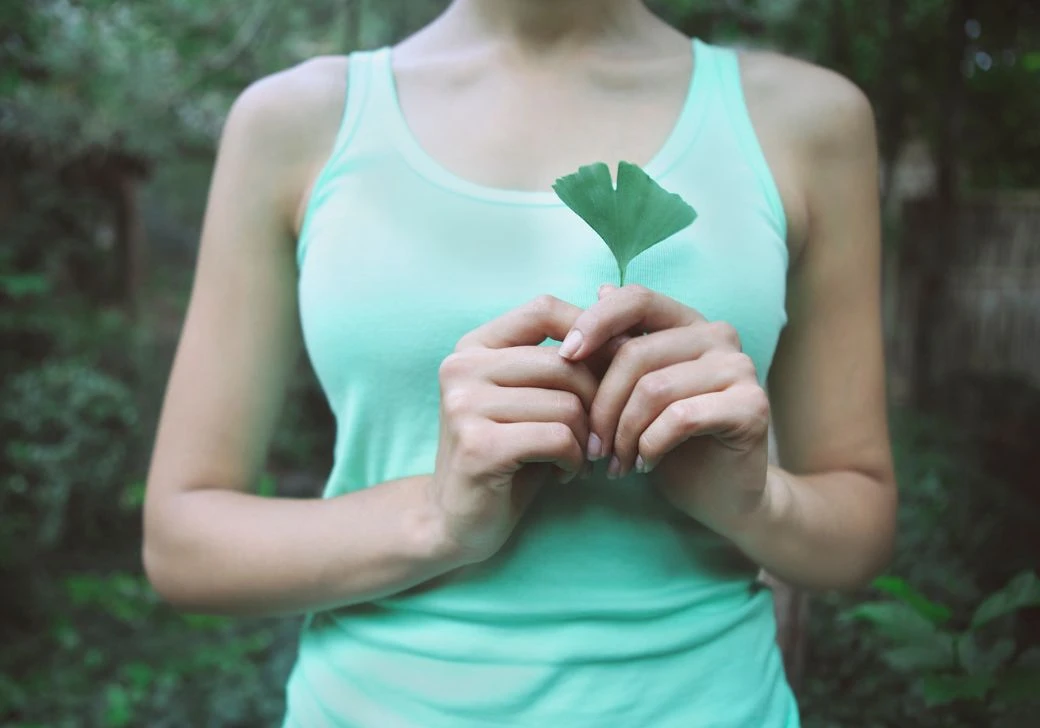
{"points": [[512, 413]]}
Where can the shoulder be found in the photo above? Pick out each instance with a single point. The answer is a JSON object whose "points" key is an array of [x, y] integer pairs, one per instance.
{"points": [[815, 108], [302, 98], [286, 123], [816, 128]]}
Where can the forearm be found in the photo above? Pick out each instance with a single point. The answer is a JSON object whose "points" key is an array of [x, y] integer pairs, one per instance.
{"points": [[822, 532], [230, 552]]}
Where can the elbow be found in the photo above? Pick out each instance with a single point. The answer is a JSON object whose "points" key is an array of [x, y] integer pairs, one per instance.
{"points": [[877, 557], [158, 574], [877, 544], [170, 578], [166, 577], [168, 566]]}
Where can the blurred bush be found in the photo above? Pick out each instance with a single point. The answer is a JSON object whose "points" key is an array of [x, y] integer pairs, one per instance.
{"points": [[67, 429], [963, 535]]}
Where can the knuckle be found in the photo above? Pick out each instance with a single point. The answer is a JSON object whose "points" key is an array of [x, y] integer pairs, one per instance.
{"points": [[685, 413], [744, 365], [630, 351], [560, 437], [452, 366], [648, 448], [472, 441], [573, 409], [654, 387], [641, 295], [758, 405], [724, 332], [457, 402], [544, 305], [463, 343]]}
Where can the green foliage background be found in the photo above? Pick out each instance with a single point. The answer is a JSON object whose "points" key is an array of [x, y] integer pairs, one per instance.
{"points": [[96, 92]]}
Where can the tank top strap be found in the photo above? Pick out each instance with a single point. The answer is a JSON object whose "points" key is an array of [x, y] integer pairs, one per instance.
{"points": [[372, 115], [724, 73], [382, 93], [370, 99]]}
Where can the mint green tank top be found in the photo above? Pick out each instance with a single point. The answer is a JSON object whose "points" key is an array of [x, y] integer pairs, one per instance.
{"points": [[607, 608]]}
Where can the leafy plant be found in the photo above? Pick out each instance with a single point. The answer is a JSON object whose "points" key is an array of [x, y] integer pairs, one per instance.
{"points": [[981, 663], [67, 428], [117, 656], [631, 219]]}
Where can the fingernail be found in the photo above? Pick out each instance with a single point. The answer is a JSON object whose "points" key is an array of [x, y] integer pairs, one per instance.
{"points": [[571, 344], [640, 464], [607, 288], [595, 448], [614, 469]]}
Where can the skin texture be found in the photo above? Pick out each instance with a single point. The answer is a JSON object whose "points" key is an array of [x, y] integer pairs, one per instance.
{"points": [[825, 520]]}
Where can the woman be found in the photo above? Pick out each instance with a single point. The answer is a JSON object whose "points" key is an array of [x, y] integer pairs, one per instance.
{"points": [[393, 211]]}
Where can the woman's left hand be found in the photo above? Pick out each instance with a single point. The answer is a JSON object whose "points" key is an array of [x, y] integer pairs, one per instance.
{"points": [[681, 400]]}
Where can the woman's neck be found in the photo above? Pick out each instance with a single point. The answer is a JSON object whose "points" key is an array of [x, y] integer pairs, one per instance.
{"points": [[548, 26]]}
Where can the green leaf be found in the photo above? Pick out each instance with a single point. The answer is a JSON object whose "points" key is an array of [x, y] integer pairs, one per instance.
{"points": [[119, 710], [21, 285], [631, 219], [898, 622], [901, 589], [935, 655], [1022, 592], [946, 689], [977, 661]]}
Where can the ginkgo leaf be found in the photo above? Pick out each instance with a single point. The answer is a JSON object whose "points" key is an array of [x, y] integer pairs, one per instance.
{"points": [[630, 219]]}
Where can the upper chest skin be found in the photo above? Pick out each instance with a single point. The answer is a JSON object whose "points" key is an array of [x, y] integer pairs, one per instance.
{"points": [[500, 125]]}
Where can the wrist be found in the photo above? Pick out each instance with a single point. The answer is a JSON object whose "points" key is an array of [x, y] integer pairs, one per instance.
{"points": [[431, 538], [758, 527]]}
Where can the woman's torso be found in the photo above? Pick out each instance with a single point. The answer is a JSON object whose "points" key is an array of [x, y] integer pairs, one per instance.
{"points": [[607, 607]]}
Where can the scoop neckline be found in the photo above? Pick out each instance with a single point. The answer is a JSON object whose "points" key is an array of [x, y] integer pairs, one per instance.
{"points": [[675, 143]]}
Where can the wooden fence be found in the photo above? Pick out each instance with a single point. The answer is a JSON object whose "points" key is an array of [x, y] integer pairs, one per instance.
{"points": [[989, 322]]}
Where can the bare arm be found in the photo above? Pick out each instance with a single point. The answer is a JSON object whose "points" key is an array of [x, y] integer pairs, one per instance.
{"points": [[683, 403], [830, 520], [210, 544]]}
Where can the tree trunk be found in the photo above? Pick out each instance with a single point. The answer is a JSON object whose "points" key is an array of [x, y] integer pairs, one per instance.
{"points": [[938, 248], [129, 243]]}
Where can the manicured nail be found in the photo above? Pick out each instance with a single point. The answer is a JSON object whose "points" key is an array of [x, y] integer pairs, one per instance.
{"points": [[571, 344], [595, 448], [614, 469]]}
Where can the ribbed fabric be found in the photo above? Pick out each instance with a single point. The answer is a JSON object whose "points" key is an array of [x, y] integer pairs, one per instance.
{"points": [[607, 608]]}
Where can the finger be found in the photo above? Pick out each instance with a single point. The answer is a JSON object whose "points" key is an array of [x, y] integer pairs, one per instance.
{"points": [[541, 442], [541, 367], [636, 358], [599, 360], [658, 389], [527, 404], [737, 416], [541, 318], [631, 307]]}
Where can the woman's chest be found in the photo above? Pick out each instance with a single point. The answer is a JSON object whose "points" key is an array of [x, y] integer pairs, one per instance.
{"points": [[509, 129], [391, 281]]}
